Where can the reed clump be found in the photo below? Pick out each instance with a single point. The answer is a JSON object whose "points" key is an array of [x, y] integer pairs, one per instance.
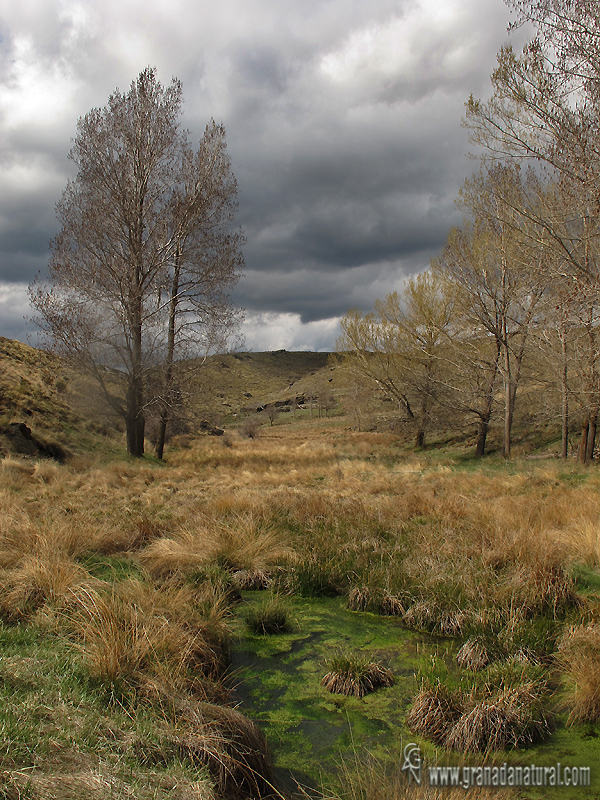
{"points": [[355, 675], [507, 707]]}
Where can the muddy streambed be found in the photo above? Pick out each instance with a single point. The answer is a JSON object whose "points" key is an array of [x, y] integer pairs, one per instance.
{"points": [[309, 730]]}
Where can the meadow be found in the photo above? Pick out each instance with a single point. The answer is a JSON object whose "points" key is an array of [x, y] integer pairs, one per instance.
{"points": [[151, 611]]}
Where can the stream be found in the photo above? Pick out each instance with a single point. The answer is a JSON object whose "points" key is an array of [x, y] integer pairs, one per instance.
{"points": [[310, 730]]}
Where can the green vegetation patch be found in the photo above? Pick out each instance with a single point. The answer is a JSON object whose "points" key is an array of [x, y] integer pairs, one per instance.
{"points": [[279, 682], [62, 738], [312, 732]]}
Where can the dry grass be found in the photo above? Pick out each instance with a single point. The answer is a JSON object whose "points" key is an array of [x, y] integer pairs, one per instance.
{"points": [[97, 782], [232, 748], [13, 468], [355, 675], [579, 653], [582, 539], [504, 710], [474, 655], [309, 508], [239, 543], [360, 598], [368, 779], [512, 717], [40, 580], [434, 711], [139, 639]]}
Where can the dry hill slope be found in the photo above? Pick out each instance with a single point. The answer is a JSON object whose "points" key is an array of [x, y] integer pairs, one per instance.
{"points": [[41, 390]]}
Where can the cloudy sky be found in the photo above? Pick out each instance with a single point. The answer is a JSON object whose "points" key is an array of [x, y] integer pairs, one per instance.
{"points": [[343, 121]]}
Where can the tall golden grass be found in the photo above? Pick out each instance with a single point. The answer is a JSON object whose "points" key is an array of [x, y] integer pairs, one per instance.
{"points": [[579, 652], [454, 551]]}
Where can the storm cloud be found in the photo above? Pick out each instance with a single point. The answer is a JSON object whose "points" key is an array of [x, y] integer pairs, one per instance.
{"points": [[343, 123]]}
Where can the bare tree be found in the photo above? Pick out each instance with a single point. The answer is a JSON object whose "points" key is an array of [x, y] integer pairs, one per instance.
{"points": [[206, 260], [493, 263], [137, 260], [398, 348]]}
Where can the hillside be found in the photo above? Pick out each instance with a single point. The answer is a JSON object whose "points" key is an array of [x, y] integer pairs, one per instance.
{"points": [[62, 406], [240, 382], [41, 390]]}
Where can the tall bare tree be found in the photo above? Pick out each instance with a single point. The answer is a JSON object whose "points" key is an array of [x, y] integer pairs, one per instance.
{"points": [[500, 267], [137, 259], [206, 261]]}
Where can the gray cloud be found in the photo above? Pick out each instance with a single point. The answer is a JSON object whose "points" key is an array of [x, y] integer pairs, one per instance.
{"points": [[342, 118]]}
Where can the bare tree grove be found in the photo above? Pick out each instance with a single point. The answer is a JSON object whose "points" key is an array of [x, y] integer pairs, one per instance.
{"points": [[522, 275], [142, 267]]}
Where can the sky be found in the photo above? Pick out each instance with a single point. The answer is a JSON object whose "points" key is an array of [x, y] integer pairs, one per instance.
{"points": [[342, 118]]}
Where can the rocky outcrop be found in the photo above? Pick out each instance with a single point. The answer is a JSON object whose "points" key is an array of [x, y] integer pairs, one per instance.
{"points": [[20, 441]]}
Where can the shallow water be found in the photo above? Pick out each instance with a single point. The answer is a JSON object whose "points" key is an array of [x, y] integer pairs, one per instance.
{"points": [[311, 731], [278, 680]]}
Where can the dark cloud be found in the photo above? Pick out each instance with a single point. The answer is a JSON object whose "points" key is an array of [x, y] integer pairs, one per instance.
{"points": [[342, 118]]}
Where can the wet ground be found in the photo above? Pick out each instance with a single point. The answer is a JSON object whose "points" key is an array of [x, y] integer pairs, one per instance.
{"points": [[309, 730]]}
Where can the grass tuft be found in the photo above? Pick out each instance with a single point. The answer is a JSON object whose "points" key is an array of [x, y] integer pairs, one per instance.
{"points": [[231, 747], [474, 654], [269, 617], [434, 711], [504, 709], [355, 675], [511, 717], [579, 655]]}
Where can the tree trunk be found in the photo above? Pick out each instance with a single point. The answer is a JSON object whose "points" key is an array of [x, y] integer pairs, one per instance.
{"points": [[134, 420], [581, 454], [423, 419], [565, 398], [591, 438], [485, 414], [482, 432], [164, 412], [508, 396], [162, 433], [507, 424]]}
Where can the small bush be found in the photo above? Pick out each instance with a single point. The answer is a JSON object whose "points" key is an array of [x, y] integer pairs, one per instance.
{"points": [[250, 427]]}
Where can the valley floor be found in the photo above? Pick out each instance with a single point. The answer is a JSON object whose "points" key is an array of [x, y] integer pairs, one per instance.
{"points": [[130, 590]]}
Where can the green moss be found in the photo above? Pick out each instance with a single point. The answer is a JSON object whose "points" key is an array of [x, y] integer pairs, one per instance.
{"points": [[310, 730]]}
